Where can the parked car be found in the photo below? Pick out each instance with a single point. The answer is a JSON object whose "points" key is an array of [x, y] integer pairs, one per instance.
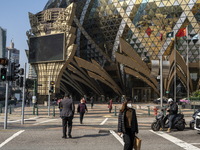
{"points": [[157, 101]]}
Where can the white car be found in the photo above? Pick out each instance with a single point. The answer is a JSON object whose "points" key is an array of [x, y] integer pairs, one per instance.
{"points": [[197, 122]]}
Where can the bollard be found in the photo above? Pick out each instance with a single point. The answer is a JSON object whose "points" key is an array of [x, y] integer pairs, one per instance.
{"points": [[33, 109], [179, 109], [148, 110], [155, 111], [37, 110], [115, 110], [1, 109], [10, 110], [54, 110]]}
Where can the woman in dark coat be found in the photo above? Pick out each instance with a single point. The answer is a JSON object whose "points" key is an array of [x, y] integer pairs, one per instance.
{"points": [[127, 124], [82, 108]]}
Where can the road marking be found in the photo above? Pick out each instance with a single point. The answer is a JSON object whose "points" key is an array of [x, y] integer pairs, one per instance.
{"points": [[117, 137], [10, 138], [176, 141], [21, 120], [45, 121], [103, 122], [195, 143]]}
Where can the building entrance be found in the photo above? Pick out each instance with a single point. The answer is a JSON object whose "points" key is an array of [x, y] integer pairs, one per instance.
{"points": [[141, 94]]}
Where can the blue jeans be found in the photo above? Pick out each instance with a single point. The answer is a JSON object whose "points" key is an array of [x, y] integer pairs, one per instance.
{"points": [[171, 117]]}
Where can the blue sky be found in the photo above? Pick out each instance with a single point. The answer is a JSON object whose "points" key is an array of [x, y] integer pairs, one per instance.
{"points": [[14, 18]]}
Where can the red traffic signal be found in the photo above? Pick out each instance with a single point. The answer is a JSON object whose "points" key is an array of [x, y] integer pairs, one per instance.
{"points": [[3, 61]]}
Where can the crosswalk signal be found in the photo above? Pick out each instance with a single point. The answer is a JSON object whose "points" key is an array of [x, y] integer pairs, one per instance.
{"points": [[3, 74]]}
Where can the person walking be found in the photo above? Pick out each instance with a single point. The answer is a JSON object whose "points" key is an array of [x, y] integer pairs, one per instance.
{"points": [[81, 109], [59, 103], [173, 110], [127, 124], [110, 105], [92, 102], [67, 115]]}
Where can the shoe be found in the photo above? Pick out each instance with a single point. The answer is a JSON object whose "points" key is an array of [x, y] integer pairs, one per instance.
{"points": [[168, 130], [64, 137], [70, 136], [161, 129]]}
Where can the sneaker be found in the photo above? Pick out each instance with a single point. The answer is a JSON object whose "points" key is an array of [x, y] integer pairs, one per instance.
{"points": [[161, 129], [168, 130]]}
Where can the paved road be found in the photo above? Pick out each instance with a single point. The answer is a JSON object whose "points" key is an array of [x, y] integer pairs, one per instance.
{"points": [[97, 133]]}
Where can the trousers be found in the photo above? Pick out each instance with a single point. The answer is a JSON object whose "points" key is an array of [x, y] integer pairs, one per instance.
{"points": [[81, 117], [128, 138], [67, 122], [171, 118]]}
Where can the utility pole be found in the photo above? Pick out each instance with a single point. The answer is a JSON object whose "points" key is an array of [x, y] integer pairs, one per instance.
{"points": [[6, 97], [161, 80], [23, 100], [49, 98]]}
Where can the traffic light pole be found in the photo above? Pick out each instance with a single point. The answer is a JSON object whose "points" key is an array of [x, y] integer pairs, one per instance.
{"points": [[49, 98], [6, 97], [23, 100]]}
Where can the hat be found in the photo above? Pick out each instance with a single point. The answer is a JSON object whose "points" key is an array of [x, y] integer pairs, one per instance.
{"points": [[170, 100]]}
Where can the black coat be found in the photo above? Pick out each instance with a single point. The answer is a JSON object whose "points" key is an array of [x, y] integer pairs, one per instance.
{"points": [[173, 109], [121, 122]]}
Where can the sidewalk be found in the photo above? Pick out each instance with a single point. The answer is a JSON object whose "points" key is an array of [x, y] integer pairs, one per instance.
{"points": [[142, 110], [144, 113]]}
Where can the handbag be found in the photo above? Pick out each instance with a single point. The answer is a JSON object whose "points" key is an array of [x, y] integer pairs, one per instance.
{"points": [[137, 143]]}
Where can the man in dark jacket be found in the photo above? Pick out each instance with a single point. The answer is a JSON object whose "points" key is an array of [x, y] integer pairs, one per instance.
{"points": [[127, 124], [67, 114], [173, 110]]}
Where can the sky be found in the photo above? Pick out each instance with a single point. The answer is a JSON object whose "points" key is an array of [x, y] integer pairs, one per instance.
{"points": [[14, 18]]}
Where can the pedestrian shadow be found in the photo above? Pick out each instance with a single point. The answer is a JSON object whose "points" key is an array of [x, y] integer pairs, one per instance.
{"points": [[91, 136]]}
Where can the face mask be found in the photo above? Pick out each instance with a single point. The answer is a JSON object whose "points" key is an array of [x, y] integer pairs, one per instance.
{"points": [[129, 105]]}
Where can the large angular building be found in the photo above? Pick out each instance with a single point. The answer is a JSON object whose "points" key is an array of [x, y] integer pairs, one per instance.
{"points": [[114, 47]]}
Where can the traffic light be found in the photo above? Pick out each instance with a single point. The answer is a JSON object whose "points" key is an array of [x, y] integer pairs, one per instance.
{"points": [[52, 83], [15, 71], [51, 89], [3, 74], [21, 81], [3, 61], [21, 71]]}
